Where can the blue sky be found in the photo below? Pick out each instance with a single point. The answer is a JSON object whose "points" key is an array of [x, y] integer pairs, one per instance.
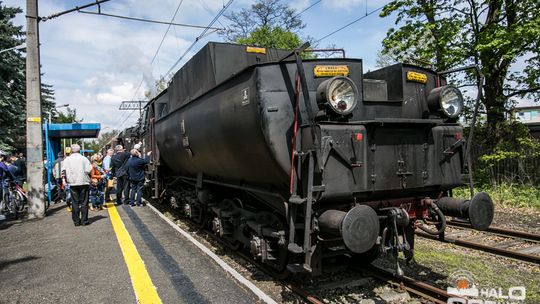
{"points": [[94, 62]]}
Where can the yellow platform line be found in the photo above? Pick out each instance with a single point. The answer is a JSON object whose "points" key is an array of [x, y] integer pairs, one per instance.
{"points": [[145, 291]]}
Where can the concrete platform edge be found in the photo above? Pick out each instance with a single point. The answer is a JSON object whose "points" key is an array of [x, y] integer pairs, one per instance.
{"points": [[237, 276]]}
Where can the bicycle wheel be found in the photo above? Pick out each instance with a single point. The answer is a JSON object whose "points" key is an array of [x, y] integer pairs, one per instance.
{"points": [[3, 204], [21, 202], [12, 204]]}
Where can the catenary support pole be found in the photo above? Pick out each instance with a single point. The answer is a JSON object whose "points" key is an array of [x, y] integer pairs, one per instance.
{"points": [[34, 137]]}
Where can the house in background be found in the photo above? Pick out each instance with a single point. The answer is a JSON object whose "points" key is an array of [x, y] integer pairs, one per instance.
{"points": [[529, 116]]}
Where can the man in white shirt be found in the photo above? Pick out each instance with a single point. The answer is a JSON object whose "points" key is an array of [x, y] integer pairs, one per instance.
{"points": [[77, 169]]}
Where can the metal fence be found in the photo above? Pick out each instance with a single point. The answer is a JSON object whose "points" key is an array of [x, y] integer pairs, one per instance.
{"points": [[520, 169]]}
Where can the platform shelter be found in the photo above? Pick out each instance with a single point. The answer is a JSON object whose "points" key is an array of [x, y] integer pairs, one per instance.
{"points": [[53, 135]]}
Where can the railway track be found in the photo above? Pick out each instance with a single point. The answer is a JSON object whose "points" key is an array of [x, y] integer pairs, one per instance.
{"points": [[518, 245], [418, 288], [305, 295]]}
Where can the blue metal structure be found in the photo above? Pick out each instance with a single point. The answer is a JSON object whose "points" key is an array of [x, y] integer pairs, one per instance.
{"points": [[53, 135]]}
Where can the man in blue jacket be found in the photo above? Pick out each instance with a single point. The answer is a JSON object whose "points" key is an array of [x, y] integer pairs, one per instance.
{"points": [[136, 166], [119, 171]]}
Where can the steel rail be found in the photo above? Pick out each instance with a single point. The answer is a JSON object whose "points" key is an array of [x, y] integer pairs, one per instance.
{"points": [[486, 248], [305, 295], [419, 288], [500, 231]]}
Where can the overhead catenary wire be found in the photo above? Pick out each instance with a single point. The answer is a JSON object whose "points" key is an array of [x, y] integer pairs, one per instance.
{"points": [[307, 8], [350, 23], [203, 34], [76, 8], [119, 126], [210, 11], [148, 20]]}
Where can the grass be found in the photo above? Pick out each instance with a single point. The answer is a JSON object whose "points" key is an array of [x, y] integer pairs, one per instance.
{"points": [[508, 195], [488, 271]]}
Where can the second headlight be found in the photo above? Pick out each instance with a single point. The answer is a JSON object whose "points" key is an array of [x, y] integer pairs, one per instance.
{"points": [[339, 94], [448, 99]]}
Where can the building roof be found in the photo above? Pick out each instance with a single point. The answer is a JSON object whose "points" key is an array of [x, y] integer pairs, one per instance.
{"points": [[528, 108], [73, 130]]}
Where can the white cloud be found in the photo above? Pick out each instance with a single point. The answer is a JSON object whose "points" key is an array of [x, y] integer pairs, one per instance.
{"points": [[94, 62], [299, 5]]}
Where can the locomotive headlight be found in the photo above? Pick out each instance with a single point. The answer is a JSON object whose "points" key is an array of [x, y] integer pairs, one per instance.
{"points": [[339, 93], [448, 99]]}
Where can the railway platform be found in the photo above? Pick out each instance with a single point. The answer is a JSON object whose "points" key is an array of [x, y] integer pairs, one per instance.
{"points": [[126, 255]]}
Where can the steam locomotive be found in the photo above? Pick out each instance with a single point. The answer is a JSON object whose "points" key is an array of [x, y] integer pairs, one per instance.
{"points": [[299, 159]]}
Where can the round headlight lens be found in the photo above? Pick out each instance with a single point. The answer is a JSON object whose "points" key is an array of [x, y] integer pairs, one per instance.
{"points": [[340, 93], [451, 101]]}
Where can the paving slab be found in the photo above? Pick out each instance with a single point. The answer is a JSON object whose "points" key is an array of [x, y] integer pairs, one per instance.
{"points": [[52, 261]]}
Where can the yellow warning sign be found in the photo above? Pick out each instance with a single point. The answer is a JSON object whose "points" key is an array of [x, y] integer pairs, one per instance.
{"points": [[416, 77], [254, 49], [330, 70], [34, 119]]}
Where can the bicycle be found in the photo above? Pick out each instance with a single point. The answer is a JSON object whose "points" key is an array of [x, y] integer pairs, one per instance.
{"points": [[15, 199]]}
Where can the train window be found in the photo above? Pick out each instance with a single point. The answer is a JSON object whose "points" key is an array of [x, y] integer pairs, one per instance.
{"points": [[162, 109], [144, 123], [375, 90]]}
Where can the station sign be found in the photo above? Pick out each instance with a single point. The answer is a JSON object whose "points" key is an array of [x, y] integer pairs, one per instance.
{"points": [[130, 105]]}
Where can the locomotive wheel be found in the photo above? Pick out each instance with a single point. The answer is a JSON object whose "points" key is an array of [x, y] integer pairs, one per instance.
{"points": [[269, 219]]}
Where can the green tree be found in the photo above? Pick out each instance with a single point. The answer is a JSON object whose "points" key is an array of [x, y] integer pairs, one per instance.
{"points": [[383, 60], [496, 34], [264, 13], [101, 141], [272, 37], [267, 23], [47, 100], [69, 117], [13, 84]]}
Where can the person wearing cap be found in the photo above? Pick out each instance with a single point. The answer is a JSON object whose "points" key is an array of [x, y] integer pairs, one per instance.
{"points": [[77, 172], [119, 171]]}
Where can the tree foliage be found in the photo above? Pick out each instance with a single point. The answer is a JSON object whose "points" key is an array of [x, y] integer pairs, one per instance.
{"points": [[101, 141], [13, 84], [272, 37], [70, 116], [510, 161], [267, 23], [499, 35], [264, 14]]}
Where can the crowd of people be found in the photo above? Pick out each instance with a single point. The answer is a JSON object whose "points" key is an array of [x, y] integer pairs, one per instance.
{"points": [[88, 182], [12, 170], [82, 181]]}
